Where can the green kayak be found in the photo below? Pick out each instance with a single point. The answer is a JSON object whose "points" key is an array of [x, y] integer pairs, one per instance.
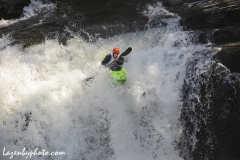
{"points": [[120, 75]]}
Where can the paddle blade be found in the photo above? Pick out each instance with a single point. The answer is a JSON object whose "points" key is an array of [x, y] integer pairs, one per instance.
{"points": [[126, 52]]}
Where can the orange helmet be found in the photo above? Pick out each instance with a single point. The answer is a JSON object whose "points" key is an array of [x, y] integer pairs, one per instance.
{"points": [[116, 50]]}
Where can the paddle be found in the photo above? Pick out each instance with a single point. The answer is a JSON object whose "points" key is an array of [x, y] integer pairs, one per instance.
{"points": [[126, 52]]}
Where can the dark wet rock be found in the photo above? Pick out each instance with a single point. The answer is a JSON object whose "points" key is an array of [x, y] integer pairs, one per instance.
{"points": [[230, 56], [103, 19], [220, 36], [88, 19], [215, 21], [205, 14], [208, 14], [169, 3], [226, 35], [12, 9], [41, 25], [210, 115]]}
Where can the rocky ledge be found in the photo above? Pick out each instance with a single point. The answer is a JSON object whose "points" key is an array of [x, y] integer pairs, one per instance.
{"points": [[90, 19], [12, 9], [217, 21]]}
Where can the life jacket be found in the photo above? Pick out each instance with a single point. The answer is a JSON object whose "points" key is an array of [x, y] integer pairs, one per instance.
{"points": [[111, 60]]}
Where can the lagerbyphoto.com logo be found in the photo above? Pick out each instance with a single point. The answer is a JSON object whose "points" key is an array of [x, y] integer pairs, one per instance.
{"points": [[30, 154]]}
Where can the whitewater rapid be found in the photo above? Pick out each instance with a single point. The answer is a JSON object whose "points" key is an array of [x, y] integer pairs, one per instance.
{"points": [[47, 104], [35, 7]]}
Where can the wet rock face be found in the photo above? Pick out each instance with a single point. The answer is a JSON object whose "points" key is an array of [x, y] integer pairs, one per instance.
{"points": [[211, 118], [90, 19], [106, 18], [217, 21], [169, 3], [210, 115], [207, 14], [12, 9], [230, 56]]}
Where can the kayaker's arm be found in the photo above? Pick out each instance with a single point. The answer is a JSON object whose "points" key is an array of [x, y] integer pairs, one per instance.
{"points": [[106, 60], [120, 61]]}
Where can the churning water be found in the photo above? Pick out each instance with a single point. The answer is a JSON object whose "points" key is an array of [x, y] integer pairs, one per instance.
{"points": [[47, 104]]}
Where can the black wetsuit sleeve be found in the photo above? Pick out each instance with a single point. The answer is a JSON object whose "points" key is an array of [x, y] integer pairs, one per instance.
{"points": [[106, 60], [120, 61]]}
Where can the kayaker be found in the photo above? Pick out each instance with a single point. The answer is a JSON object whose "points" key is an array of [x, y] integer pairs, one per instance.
{"points": [[112, 60]]}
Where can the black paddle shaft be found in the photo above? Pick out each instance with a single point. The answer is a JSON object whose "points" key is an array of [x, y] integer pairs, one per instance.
{"points": [[126, 52]]}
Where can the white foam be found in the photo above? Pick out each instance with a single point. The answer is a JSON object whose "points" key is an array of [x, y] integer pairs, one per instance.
{"points": [[4, 41], [136, 120]]}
